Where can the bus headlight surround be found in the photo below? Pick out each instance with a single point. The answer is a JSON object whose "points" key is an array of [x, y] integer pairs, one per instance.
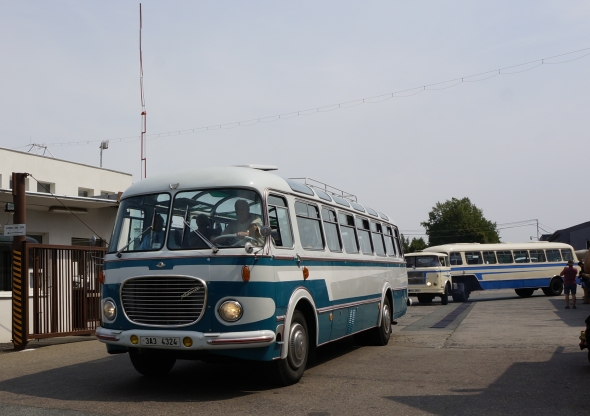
{"points": [[231, 311], [109, 309]]}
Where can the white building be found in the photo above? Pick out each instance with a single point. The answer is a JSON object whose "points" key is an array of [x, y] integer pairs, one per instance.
{"points": [[91, 192]]}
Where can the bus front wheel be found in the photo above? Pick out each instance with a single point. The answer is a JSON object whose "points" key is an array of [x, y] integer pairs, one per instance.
{"points": [[151, 365], [524, 293], [290, 370], [444, 299], [555, 287]]}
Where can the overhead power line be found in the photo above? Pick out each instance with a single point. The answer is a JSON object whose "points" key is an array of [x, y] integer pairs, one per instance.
{"points": [[376, 99]]}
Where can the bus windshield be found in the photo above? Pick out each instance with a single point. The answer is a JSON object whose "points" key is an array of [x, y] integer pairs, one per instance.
{"points": [[423, 261], [141, 223], [223, 217]]}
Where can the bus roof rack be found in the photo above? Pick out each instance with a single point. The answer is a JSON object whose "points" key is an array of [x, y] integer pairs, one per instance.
{"points": [[259, 167], [327, 188]]}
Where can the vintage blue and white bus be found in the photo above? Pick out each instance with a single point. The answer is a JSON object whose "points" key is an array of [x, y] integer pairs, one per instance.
{"points": [[524, 267], [240, 262]]}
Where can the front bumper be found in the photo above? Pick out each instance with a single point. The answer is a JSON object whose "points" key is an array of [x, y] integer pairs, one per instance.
{"points": [[430, 290], [200, 340]]}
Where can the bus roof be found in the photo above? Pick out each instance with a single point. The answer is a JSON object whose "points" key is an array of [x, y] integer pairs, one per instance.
{"points": [[422, 253], [237, 176], [500, 246]]}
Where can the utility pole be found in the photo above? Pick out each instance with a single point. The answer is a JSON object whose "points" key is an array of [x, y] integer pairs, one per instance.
{"points": [[20, 270], [103, 146]]}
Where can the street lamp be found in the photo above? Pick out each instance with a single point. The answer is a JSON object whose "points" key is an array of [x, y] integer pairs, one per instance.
{"points": [[103, 146]]}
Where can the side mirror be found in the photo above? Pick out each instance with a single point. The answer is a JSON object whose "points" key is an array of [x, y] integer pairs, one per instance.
{"points": [[248, 247], [93, 240], [265, 231]]}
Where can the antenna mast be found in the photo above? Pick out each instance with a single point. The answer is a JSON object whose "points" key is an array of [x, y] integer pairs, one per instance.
{"points": [[143, 112]]}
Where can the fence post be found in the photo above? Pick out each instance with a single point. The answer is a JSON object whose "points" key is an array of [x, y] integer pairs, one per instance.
{"points": [[20, 267]]}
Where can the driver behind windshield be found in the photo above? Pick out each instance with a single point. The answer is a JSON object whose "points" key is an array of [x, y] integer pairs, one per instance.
{"points": [[246, 225]]}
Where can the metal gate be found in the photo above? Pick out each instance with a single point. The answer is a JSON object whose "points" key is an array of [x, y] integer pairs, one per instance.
{"points": [[64, 281]]}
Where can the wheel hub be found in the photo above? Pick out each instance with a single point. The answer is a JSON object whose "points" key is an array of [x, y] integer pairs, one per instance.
{"points": [[386, 319], [297, 345]]}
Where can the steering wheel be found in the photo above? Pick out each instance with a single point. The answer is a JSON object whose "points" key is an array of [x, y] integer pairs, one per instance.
{"points": [[224, 236], [247, 238]]}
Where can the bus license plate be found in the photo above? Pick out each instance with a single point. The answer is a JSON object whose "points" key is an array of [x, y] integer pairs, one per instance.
{"points": [[160, 341]]}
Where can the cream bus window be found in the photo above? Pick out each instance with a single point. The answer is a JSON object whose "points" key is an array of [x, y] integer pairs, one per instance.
{"points": [[473, 257], [349, 237], [331, 228], [504, 257], [567, 255], [537, 256], [456, 259], [521, 256], [489, 257], [553, 256]]}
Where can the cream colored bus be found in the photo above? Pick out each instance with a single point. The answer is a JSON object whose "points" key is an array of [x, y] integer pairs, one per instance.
{"points": [[524, 267], [429, 276]]}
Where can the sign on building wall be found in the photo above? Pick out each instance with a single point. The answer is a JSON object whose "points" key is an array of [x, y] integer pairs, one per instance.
{"points": [[15, 229]]}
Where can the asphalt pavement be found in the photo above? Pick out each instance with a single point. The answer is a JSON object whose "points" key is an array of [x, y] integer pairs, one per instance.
{"points": [[500, 354]]}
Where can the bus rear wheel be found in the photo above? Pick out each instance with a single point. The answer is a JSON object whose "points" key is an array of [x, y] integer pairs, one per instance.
{"points": [[524, 293], [285, 372], [151, 365], [555, 287], [460, 294]]}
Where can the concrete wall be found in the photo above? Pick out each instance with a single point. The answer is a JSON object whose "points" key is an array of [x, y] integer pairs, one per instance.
{"points": [[66, 177]]}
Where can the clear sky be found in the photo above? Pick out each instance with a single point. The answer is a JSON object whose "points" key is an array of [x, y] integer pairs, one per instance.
{"points": [[515, 144]]}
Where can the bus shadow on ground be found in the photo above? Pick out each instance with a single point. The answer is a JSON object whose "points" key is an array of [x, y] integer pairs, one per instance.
{"points": [[554, 387], [113, 379]]}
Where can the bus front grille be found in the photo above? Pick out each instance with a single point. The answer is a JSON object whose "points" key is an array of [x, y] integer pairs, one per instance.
{"points": [[416, 278], [164, 301]]}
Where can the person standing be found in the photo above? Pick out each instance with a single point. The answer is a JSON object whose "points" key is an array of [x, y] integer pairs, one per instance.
{"points": [[569, 275]]}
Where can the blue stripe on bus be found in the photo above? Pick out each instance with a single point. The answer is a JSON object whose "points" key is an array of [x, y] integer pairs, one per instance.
{"points": [[242, 260], [508, 266], [515, 284]]}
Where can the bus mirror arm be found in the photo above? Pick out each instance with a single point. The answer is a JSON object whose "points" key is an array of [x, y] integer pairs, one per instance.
{"points": [[298, 259]]}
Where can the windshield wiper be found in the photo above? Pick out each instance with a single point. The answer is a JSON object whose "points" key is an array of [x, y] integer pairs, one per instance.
{"points": [[205, 239], [118, 253]]}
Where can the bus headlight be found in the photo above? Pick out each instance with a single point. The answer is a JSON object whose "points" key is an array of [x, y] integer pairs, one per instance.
{"points": [[428, 284], [231, 311], [109, 310]]}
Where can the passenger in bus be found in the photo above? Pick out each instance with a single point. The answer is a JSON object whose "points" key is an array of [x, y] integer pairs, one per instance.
{"points": [[155, 238], [246, 225], [204, 227]]}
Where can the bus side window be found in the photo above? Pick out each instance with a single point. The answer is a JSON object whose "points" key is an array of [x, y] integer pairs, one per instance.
{"points": [[504, 257], [362, 226], [278, 215], [473, 257], [331, 229], [398, 246], [537, 256], [521, 256], [377, 234], [553, 256], [489, 257], [388, 237], [308, 223], [349, 237], [456, 259], [567, 254]]}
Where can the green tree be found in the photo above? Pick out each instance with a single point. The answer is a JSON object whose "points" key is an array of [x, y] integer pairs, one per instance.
{"points": [[414, 245], [459, 221]]}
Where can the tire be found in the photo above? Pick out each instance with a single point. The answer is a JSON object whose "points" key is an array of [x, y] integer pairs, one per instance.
{"points": [[380, 335], [460, 294], [524, 293], [151, 365], [555, 287], [285, 372], [425, 298], [588, 354], [444, 299]]}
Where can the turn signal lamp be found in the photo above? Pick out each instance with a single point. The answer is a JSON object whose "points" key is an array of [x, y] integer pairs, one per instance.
{"points": [[187, 342], [246, 274], [101, 277], [134, 339], [305, 273]]}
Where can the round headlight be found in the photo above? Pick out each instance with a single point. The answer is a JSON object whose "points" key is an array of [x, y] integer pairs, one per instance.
{"points": [[428, 284], [231, 311], [109, 309]]}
